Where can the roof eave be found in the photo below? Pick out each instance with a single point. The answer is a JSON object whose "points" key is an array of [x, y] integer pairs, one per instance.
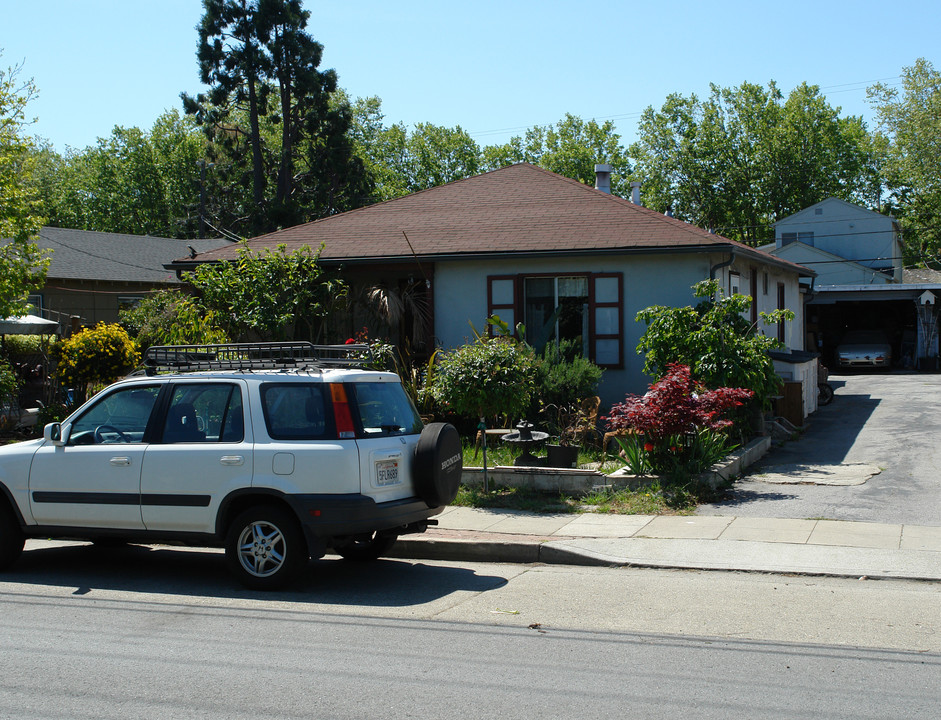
{"points": [[190, 265]]}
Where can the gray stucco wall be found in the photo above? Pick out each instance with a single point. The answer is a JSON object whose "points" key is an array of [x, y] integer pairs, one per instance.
{"points": [[460, 296]]}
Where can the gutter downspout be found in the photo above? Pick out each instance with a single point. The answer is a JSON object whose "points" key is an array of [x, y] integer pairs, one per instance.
{"points": [[811, 291], [714, 268]]}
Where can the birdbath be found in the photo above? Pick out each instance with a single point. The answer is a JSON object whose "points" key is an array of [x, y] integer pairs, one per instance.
{"points": [[526, 438]]}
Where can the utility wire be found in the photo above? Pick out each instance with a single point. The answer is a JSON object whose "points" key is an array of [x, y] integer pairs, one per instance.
{"points": [[88, 253]]}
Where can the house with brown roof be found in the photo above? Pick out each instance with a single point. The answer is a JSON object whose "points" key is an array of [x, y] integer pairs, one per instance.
{"points": [[567, 260]]}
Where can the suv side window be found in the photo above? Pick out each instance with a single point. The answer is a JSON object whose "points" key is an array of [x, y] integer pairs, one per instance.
{"points": [[120, 416], [297, 411], [204, 412]]}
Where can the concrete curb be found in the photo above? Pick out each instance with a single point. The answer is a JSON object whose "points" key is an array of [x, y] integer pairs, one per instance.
{"points": [[678, 554], [500, 551]]}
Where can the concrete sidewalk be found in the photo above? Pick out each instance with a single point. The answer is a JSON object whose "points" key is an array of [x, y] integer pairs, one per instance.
{"points": [[811, 547]]}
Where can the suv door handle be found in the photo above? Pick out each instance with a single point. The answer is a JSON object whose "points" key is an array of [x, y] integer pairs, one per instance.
{"points": [[118, 461], [231, 459]]}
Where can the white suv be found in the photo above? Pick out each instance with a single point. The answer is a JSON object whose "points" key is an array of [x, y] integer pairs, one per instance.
{"points": [[269, 449]]}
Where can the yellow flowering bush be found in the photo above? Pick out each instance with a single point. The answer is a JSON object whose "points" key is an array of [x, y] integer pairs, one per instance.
{"points": [[95, 355]]}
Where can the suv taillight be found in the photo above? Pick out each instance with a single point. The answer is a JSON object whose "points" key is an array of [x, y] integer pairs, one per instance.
{"points": [[341, 412]]}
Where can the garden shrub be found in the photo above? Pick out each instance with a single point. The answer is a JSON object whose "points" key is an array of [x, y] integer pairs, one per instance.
{"points": [[678, 425], [490, 378], [8, 382], [562, 376], [169, 317], [714, 339], [14, 345], [97, 355]]}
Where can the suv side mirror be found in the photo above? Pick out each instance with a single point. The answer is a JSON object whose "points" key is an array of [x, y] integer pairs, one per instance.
{"points": [[53, 433]]}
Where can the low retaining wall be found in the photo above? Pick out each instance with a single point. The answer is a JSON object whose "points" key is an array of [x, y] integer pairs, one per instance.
{"points": [[574, 481], [581, 481]]}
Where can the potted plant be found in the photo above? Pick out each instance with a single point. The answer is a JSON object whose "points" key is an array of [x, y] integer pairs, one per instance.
{"points": [[562, 420]]}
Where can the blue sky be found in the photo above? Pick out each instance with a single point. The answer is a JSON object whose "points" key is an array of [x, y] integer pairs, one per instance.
{"points": [[494, 68]]}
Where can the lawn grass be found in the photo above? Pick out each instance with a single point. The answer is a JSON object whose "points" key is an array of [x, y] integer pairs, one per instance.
{"points": [[502, 454], [651, 500]]}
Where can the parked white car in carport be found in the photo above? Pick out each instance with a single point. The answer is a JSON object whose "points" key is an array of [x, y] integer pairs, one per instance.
{"points": [[864, 348]]}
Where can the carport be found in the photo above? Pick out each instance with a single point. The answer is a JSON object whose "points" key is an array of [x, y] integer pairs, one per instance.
{"points": [[907, 313]]}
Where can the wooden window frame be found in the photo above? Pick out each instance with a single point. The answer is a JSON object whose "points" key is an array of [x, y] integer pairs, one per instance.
{"points": [[518, 307]]}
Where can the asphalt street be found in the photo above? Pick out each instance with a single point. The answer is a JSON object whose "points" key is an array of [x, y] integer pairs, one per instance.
{"points": [[890, 421], [164, 633]]}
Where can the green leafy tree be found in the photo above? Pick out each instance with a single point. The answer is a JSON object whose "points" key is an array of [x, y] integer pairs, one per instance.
{"points": [[439, 155], [382, 149], [169, 317], [133, 181], [909, 127], [401, 162], [721, 347], [572, 147], [23, 264], [270, 295], [268, 103], [94, 356], [745, 157], [114, 186]]}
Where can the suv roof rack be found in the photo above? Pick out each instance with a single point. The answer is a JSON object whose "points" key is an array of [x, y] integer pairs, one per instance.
{"points": [[253, 356]]}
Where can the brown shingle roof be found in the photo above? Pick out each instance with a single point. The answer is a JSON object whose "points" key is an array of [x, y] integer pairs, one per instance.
{"points": [[517, 209]]}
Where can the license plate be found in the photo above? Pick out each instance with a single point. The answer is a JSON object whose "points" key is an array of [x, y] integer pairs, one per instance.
{"points": [[387, 472]]}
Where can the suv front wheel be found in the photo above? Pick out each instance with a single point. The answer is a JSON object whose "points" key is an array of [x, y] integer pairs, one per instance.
{"points": [[265, 547]]}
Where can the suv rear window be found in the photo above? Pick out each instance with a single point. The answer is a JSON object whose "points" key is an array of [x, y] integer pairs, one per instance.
{"points": [[384, 409]]}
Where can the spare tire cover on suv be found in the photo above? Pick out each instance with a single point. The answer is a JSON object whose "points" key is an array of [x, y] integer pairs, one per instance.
{"points": [[438, 464]]}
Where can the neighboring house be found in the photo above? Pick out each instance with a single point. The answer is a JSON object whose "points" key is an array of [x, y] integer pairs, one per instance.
{"points": [[831, 269], [860, 284], [92, 275], [843, 243], [567, 260]]}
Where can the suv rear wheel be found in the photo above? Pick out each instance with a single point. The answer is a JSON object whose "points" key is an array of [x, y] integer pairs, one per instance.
{"points": [[365, 548], [11, 537], [265, 547]]}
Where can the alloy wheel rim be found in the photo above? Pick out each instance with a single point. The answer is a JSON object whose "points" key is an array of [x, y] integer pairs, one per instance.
{"points": [[261, 549]]}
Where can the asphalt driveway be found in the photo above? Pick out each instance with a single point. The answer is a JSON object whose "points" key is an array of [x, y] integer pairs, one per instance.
{"points": [[889, 424]]}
